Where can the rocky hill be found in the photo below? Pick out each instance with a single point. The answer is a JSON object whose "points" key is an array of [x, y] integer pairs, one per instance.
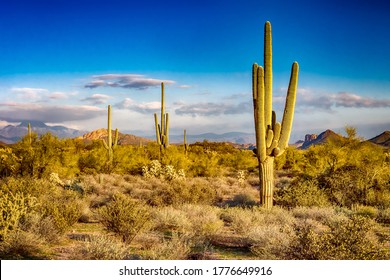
{"points": [[314, 139], [123, 139], [382, 139]]}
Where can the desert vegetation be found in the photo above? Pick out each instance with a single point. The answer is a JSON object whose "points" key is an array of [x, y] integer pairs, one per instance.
{"points": [[70, 199], [61, 200]]}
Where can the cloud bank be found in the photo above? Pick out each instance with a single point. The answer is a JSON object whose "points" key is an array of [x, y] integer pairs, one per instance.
{"points": [[129, 81], [213, 109], [16, 112], [327, 102], [144, 107], [96, 99]]}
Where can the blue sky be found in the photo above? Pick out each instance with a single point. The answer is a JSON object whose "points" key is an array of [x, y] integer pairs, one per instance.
{"points": [[63, 62]]}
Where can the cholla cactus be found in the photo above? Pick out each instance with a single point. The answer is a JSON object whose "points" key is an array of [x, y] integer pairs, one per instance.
{"points": [[55, 179], [241, 177], [168, 172]]}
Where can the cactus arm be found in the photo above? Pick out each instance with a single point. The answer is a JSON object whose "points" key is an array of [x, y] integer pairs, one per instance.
{"points": [[254, 92], [116, 138], [268, 73], [288, 114], [105, 144], [260, 136], [275, 141], [158, 137], [270, 137], [109, 139], [167, 128], [162, 109]]}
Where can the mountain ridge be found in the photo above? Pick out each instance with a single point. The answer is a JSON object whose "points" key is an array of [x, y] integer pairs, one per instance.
{"points": [[13, 133]]}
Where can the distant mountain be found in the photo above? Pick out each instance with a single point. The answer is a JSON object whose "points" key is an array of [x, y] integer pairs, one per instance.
{"points": [[382, 139], [11, 134], [123, 139], [314, 139], [233, 137]]}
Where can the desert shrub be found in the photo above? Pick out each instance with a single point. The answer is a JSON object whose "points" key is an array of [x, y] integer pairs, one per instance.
{"points": [[62, 207], [9, 162], [205, 162], [42, 226], [170, 219], [366, 211], [201, 220], [102, 247], [181, 192], [345, 186], [320, 214], [267, 233], [124, 217], [23, 245], [173, 247], [205, 220], [64, 210], [242, 220], [243, 199], [301, 193], [351, 238], [384, 216], [90, 159], [270, 241]]}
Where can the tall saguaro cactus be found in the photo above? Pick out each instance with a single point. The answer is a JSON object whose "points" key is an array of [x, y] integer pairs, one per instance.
{"points": [[110, 145], [271, 136], [162, 130]]}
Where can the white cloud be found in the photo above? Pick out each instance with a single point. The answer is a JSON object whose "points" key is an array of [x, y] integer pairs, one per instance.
{"points": [[96, 99], [144, 107], [135, 81], [29, 93], [58, 95], [213, 108]]}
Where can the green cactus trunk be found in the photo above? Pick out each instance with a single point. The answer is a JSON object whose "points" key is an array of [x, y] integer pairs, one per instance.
{"points": [[266, 170], [185, 143], [271, 136], [110, 145]]}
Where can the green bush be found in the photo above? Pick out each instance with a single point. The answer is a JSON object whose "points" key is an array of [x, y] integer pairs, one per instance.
{"points": [[301, 193], [124, 217], [182, 192], [345, 239], [100, 247]]}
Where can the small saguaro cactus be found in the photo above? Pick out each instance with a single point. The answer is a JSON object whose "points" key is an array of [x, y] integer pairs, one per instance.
{"points": [[29, 134], [271, 136], [110, 145], [186, 146], [162, 130]]}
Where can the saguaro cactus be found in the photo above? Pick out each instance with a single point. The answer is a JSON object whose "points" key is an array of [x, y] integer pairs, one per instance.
{"points": [[29, 133], [110, 145], [162, 130], [186, 146], [271, 136]]}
